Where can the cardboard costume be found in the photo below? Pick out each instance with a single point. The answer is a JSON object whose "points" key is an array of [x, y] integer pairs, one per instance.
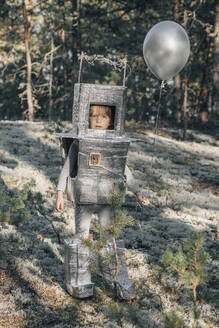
{"points": [[94, 168]]}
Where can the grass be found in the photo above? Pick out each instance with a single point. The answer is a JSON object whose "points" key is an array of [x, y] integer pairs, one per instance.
{"points": [[34, 295]]}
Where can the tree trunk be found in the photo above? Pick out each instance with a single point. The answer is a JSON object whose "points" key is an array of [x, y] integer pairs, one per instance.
{"points": [[185, 112], [64, 53], [203, 96], [177, 81], [75, 25], [27, 37], [216, 63], [51, 78]]}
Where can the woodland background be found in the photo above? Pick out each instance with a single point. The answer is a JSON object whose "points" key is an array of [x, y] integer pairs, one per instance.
{"points": [[40, 42]]}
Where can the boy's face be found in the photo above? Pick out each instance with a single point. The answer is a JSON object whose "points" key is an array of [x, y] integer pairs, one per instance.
{"points": [[99, 119]]}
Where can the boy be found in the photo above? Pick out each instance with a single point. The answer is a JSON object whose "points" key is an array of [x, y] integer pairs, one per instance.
{"points": [[100, 118]]}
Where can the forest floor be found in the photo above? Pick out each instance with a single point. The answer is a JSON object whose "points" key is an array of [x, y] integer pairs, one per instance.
{"points": [[181, 179]]}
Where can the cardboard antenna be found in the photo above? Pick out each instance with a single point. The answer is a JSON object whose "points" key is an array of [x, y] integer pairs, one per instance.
{"points": [[119, 64]]}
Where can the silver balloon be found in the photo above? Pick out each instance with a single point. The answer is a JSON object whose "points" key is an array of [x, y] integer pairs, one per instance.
{"points": [[166, 49]]}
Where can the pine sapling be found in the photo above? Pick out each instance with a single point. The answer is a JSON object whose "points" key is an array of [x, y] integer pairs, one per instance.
{"points": [[120, 219], [105, 233], [172, 320], [13, 209], [189, 263]]}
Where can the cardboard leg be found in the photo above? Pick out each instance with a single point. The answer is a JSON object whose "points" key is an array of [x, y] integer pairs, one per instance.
{"points": [[124, 289], [77, 274]]}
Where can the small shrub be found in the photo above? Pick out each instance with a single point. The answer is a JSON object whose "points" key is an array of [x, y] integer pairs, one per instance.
{"points": [[5, 215], [18, 217], [196, 313], [118, 311], [27, 189], [106, 233], [13, 209], [172, 320], [189, 263], [3, 199], [17, 203], [114, 311]]}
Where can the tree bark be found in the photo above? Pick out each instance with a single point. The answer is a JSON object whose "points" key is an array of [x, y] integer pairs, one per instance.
{"points": [[216, 63], [177, 80], [75, 26], [185, 113], [51, 78], [27, 37], [203, 96], [64, 53]]}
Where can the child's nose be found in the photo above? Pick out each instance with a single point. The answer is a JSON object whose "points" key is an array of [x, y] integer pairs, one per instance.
{"points": [[98, 118]]}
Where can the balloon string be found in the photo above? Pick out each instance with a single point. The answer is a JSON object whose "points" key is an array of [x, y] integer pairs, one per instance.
{"points": [[158, 109], [157, 119]]}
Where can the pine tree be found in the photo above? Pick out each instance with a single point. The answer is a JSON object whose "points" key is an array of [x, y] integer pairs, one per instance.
{"points": [[105, 234], [189, 263]]}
